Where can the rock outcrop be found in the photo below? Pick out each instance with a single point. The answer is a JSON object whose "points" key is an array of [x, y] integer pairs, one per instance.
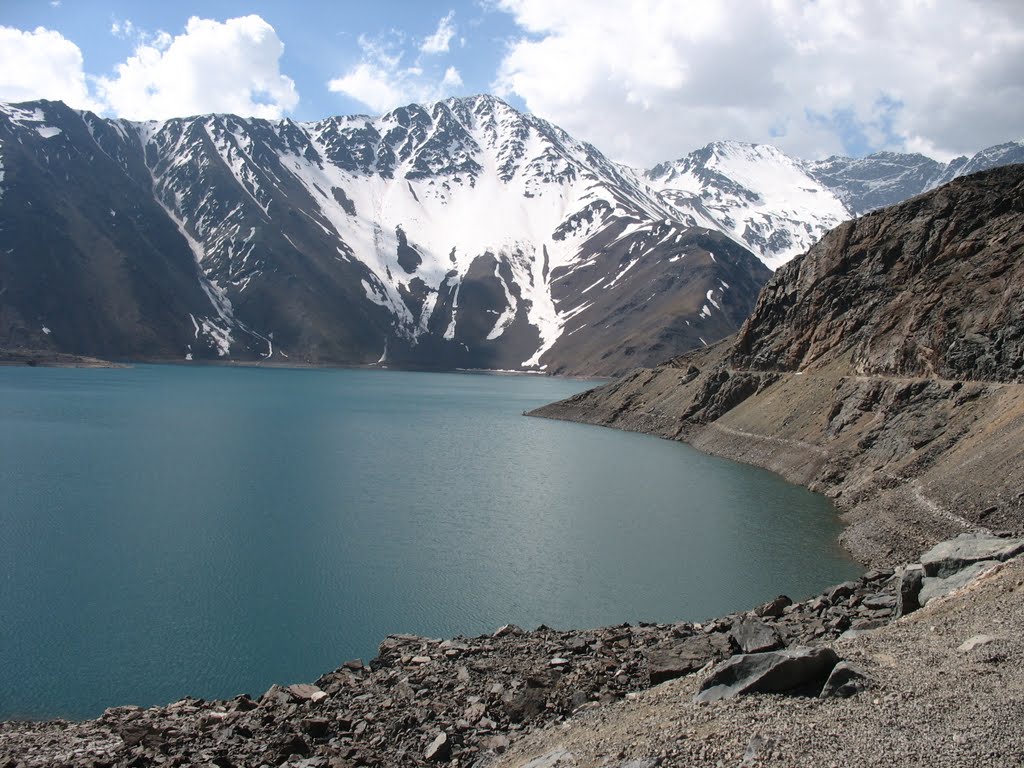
{"points": [[949, 557], [885, 368], [796, 669]]}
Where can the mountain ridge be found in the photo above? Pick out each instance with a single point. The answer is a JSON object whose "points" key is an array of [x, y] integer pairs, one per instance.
{"points": [[709, 183], [458, 234]]}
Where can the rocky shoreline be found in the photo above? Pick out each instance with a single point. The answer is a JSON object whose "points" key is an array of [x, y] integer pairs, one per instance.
{"points": [[45, 358], [941, 687], [907, 462], [464, 701], [480, 693]]}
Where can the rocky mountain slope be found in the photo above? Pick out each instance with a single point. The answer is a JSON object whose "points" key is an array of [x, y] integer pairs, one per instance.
{"points": [[455, 234], [884, 368]]}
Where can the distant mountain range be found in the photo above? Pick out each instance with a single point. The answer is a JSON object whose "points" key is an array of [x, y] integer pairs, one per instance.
{"points": [[459, 234], [779, 206]]}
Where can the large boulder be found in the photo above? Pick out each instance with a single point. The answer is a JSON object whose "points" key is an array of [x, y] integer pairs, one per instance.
{"points": [[774, 608], [439, 750], [948, 557], [844, 681], [841, 592], [794, 670]]}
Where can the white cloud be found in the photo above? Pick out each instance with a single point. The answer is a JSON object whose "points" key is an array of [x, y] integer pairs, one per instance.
{"points": [[452, 78], [439, 41], [123, 29], [42, 64], [231, 66], [665, 77], [382, 82]]}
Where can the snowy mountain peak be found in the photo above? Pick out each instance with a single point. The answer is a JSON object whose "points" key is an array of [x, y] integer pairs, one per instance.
{"points": [[778, 206], [414, 211], [755, 193]]}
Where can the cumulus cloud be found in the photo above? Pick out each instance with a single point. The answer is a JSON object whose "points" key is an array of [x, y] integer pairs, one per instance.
{"points": [[42, 64], [814, 78], [439, 41], [382, 81], [231, 66]]}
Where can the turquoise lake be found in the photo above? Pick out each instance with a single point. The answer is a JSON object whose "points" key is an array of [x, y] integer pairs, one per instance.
{"points": [[171, 530]]}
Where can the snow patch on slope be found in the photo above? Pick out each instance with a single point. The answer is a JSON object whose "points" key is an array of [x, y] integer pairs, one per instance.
{"points": [[513, 208]]}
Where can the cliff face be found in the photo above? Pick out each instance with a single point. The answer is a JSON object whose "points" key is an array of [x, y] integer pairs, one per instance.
{"points": [[883, 368], [932, 287]]}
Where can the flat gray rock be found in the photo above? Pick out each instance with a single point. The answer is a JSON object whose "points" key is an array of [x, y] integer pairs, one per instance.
{"points": [[751, 635], [556, 758], [791, 670], [304, 691], [976, 642], [686, 656], [852, 633], [948, 557], [932, 588], [879, 602]]}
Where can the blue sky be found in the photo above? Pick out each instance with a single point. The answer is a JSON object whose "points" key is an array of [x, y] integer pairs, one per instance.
{"points": [[645, 81], [321, 39]]}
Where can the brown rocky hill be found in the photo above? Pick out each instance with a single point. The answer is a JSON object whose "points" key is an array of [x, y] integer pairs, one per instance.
{"points": [[885, 368], [933, 287]]}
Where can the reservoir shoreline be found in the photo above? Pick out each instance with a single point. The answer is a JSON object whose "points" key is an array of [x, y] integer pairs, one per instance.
{"points": [[176, 509]]}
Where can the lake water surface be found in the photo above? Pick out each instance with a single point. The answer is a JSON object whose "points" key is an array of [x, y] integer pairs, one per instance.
{"points": [[169, 530]]}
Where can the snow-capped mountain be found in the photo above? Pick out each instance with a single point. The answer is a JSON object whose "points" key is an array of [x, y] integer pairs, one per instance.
{"points": [[1001, 154], [876, 181], [456, 234], [778, 206]]}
